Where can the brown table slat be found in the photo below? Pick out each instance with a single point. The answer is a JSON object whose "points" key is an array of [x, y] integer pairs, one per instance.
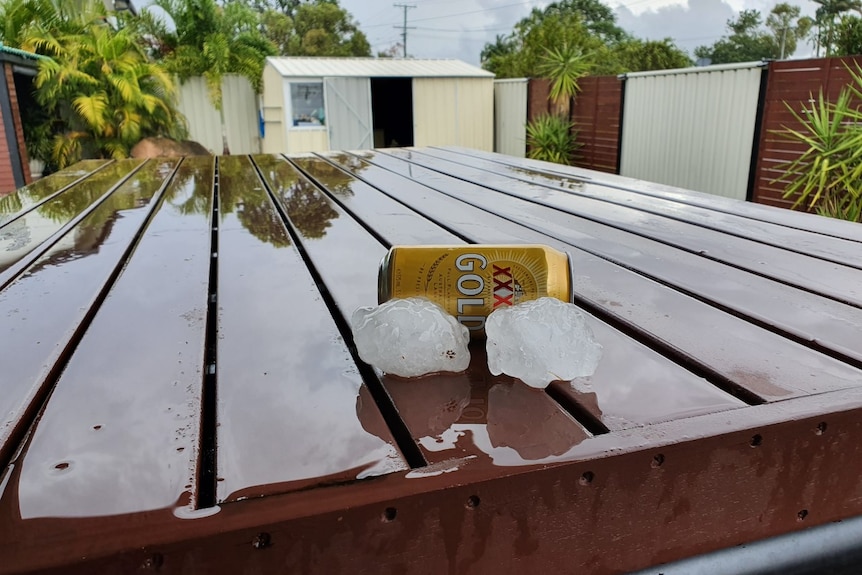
{"points": [[629, 372], [45, 309], [347, 257], [836, 250], [119, 432], [791, 219], [817, 321], [292, 409], [27, 235], [757, 360], [22, 201], [832, 280]]}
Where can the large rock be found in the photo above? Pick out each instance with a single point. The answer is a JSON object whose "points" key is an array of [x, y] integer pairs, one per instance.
{"points": [[167, 148]]}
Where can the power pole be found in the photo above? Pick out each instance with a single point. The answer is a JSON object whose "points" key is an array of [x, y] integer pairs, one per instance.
{"points": [[405, 27]]}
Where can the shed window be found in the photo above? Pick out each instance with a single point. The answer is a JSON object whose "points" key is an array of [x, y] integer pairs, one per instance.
{"points": [[306, 100]]}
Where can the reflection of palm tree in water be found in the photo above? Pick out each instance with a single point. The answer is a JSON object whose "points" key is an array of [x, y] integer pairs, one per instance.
{"points": [[91, 232], [241, 192], [12, 202], [308, 208], [333, 178]]}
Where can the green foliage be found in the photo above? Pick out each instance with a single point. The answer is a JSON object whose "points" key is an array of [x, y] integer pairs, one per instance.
{"points": [[311, 28], [848, 36], [564, 66], [587, 30], [825, 22], [323, 28], [598, 18], [551, 138], [638, 55], [827, 177], [522, 53], [209, 40], [747, 42], [788, 27], [99, 94]]}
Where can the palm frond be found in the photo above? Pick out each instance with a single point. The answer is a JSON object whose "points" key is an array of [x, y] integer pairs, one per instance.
{"points": [[93, 109]]}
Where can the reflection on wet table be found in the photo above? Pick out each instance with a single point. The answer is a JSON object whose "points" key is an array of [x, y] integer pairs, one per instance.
{"points": [[180, 389]]}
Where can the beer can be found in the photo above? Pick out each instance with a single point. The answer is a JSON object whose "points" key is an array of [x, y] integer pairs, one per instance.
{"points": [[471, 281]]}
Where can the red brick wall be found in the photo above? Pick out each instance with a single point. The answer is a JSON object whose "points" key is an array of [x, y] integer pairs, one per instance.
{"points": [[7, 175], [19, 128], [7, 180]]}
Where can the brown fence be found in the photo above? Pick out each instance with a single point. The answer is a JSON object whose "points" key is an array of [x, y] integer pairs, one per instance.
{"points": [[795, 83], [596, 112]]}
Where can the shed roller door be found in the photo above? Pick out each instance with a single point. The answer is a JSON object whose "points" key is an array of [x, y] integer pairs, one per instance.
{"points": [[348, 113]]}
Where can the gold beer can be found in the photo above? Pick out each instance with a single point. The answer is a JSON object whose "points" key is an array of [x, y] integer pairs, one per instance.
{"points": [[470, 281]]}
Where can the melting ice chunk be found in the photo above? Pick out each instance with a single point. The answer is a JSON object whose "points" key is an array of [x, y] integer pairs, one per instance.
{"points": [[410, 337], [540, 341]]}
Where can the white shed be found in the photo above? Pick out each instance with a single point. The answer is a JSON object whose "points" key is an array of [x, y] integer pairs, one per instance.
{"points": [[318, 104]]}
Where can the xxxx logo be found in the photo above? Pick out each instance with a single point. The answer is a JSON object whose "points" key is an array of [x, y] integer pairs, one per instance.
{"points": [[504, 288]]}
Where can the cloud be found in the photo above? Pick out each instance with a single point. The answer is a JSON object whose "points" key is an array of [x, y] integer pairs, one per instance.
{"points": [[698, 23]]}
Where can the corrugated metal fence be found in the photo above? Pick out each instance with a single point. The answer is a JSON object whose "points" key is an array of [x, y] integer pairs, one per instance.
{"points": [[798, 83], [510, 117], [712, 129], [692, 128], [237, 124]]}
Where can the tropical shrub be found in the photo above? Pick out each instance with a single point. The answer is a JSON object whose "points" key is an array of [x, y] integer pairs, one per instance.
{"points": [[99, 94], [203, 38], [101, 91], [564, 65], [827, 176], [551, 138]]}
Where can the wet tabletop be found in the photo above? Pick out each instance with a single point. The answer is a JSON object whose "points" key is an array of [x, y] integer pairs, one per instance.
{"points": [[175, 341]]}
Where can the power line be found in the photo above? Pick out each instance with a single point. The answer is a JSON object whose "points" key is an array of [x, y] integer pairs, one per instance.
{"points": [[453, 15], [404, 26], [504, 29]]}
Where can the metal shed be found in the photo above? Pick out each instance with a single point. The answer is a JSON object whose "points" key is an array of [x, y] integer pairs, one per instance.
{"points": [[318, 104]]}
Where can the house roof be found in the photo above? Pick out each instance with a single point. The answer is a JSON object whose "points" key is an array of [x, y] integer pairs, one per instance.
{"points": [[9, 51], [375, 67]]}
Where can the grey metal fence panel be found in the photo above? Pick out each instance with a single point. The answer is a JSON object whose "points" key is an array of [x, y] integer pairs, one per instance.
{"points": [[241, 119], [204, 120], [510, 116], [692, 128]]}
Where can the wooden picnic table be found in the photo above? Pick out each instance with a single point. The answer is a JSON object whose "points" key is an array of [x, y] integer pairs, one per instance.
{"points": [[180, 392]]}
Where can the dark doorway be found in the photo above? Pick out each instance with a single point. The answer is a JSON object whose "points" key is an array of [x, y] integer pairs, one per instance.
{"points": [[392, 110]]}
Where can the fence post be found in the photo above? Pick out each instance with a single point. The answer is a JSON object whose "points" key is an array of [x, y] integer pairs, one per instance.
{"points": [[622, 79], [753, 165]]}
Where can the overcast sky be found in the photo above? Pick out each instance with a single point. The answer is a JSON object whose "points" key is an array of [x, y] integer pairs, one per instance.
{"points": [[460, 28]]}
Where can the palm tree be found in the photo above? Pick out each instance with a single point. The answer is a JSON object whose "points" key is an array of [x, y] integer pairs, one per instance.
{"points": [[99, 88], [207, 40], [564, 65]]}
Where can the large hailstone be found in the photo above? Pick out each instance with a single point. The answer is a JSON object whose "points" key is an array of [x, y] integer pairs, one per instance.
{"points": [[410, 337], [540, 341]]}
